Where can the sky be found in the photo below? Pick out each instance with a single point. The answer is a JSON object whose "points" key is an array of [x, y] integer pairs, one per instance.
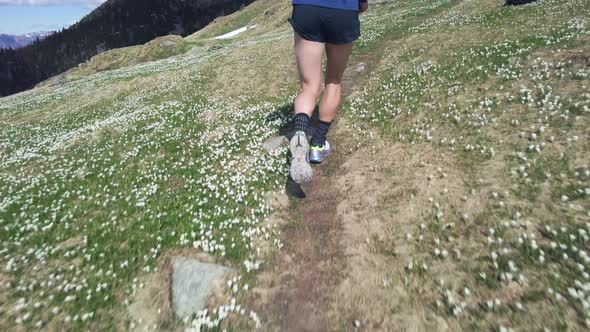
{"points": [[22, 16]]}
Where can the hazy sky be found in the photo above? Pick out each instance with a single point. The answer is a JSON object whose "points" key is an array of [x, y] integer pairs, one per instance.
{"points": [[22, 16]]}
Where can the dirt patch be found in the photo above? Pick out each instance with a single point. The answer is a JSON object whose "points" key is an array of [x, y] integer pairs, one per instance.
{"points": [[151, 309], [346, 249], [4, 307], [151, 306], [294, 293], [385, 197], [73, 242]]}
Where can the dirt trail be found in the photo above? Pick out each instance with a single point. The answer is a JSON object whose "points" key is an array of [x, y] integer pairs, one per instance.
{"points": [[340, 267], [297, 292], [327, 277], [294, 294], [343, 261]]}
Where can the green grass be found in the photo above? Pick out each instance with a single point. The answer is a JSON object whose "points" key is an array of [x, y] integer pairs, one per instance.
{"points": [[240, 20], [133, 188], [132, 162]]}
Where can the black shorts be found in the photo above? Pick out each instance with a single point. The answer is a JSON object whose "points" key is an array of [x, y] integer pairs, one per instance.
{"points": [[326, 25]]}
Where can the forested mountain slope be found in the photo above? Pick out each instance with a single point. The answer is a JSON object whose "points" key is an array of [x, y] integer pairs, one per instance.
{"points": [[114, 24]]}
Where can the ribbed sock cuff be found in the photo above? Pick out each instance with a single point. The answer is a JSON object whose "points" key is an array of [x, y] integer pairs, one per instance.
{"points": [[301, 122], [321, 131]]}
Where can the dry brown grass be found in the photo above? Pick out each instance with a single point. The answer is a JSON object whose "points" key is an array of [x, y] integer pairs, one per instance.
{"points": [[265, 72], [267, 14]]}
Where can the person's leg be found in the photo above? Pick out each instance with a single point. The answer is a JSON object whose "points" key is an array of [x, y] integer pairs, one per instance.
{"points": [[309, 63], [338, 56]]}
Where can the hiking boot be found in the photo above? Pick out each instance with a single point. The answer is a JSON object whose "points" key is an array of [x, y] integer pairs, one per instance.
{"points": [[300, 169], [317, 154]]}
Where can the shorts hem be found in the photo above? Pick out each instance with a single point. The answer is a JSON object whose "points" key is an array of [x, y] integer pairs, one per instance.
{"points": [[304, 35], [343, 41]]}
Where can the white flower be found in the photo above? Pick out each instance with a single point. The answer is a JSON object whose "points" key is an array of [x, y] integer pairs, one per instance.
{"points": [[466, 292]]}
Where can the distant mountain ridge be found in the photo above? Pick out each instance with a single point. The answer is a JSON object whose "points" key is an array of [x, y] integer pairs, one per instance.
{"points": [[114, 24], [18, 41]]}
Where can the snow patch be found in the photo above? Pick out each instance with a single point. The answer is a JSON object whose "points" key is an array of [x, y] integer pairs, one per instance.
{"points": [[235, 32]]}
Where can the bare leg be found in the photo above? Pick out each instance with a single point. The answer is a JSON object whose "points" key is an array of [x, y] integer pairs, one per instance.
{"points": [[338, 56], [309, 62], [309, 56]]}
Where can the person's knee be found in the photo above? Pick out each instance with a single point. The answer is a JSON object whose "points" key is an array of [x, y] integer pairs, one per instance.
{"points": [[333, 86], [312, 89], [333, 79]]}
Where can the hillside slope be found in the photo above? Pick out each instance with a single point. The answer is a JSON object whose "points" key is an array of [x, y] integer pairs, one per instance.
{"points": [[457, 197], [114, 24]]}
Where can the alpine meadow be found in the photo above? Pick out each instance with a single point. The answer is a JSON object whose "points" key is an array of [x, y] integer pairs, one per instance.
{"points": [[457, 196]]}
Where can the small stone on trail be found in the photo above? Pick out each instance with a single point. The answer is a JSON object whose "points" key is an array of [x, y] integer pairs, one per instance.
{"points": [[191, 284], [274, 143]]}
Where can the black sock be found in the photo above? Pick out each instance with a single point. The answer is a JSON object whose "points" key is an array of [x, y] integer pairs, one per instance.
{"points": [[319, 136], [301, 122]]}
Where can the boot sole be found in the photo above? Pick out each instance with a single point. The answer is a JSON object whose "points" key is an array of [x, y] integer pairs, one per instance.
{"points": [[300, 169]]}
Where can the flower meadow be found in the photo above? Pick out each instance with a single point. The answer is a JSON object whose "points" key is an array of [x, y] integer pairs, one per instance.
{"points": [[501, 94], [101, 176]]}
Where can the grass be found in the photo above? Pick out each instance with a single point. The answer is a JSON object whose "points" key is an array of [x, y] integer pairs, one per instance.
{"points": [[132, 177], [237, 21], [103, 174], [470, 98]]}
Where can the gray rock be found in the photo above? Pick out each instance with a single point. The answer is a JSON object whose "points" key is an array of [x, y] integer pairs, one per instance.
{"points": [[361, 67], [275, 143], [192, 283], [167, 43]]}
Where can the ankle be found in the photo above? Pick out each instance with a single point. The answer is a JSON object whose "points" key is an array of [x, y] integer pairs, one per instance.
{"points": [[301, 122], [319, 136]]}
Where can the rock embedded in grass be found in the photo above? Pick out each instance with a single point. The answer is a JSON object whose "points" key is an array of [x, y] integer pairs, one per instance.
{"points": [[192, 283]]}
